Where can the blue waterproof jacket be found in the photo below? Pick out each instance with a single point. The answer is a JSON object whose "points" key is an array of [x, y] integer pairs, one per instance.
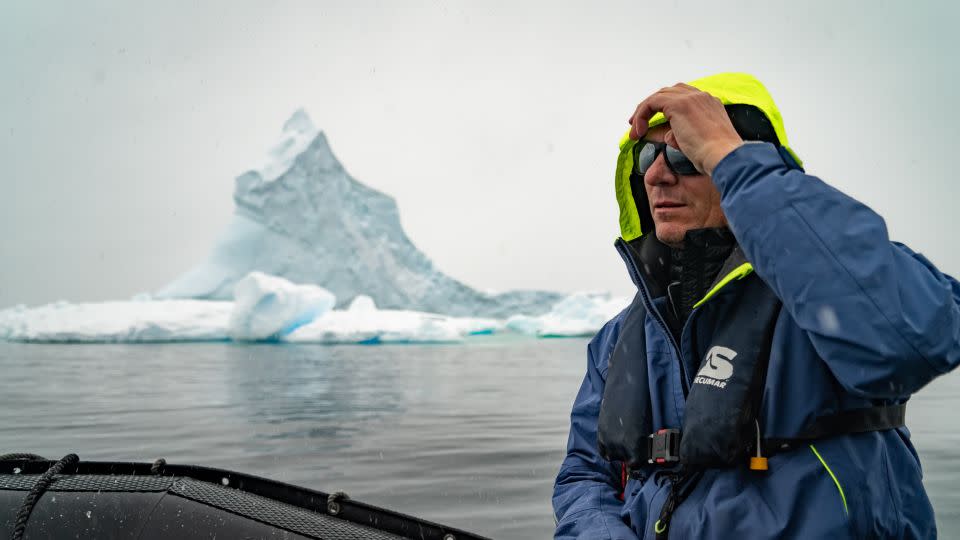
{"points": [[865, 321]]}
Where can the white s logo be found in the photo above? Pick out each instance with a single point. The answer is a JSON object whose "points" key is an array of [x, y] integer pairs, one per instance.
{"points": [[718, 364]]}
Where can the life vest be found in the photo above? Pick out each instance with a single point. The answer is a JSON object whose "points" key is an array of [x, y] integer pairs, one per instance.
{"points": [[720, 426], [720, 422]]}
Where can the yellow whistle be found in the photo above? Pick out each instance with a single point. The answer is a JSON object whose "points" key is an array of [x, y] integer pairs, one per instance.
{"points": [[758, 463]]}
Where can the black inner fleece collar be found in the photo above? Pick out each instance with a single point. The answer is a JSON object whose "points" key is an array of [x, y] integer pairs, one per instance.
{"points": [[656, 258], [686, 275], [694, 269]]}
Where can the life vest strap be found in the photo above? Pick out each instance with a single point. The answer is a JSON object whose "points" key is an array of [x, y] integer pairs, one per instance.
{"points": [[879, 418], [662, 445], [684, 479]]}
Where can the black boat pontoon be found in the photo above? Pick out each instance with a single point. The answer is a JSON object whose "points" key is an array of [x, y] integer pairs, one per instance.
{"points": [[69, 498]]}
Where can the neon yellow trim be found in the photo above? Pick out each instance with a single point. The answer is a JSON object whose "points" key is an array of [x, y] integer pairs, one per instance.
{"points": [[835, 481], [629, 216], [739, 272], [657, 529]]}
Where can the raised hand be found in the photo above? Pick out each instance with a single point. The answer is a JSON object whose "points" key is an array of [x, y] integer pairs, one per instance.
{"points": [[699, 125]]}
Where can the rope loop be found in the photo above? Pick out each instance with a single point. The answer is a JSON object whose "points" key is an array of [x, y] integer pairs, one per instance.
{"points": [[157, 467], [30, 501]]}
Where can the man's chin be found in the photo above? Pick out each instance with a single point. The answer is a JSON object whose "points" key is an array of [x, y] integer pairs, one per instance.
{"points": [[671, 235]]}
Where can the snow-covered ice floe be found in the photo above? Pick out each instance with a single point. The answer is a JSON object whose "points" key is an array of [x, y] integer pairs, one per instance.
{"points": [[270, 308], [118, 322], [362, 322], [267, 308], [580, 314]]}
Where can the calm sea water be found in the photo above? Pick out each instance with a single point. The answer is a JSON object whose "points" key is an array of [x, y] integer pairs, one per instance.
{"points": [[466, 435]]}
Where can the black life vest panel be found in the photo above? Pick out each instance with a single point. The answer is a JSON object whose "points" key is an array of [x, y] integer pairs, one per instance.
{"points": [[625, 413], [724, 399], [719, 425]]}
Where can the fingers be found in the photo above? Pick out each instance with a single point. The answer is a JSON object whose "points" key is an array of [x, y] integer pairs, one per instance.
{"points": [[641, 117], [654, 103], [664, 90]]}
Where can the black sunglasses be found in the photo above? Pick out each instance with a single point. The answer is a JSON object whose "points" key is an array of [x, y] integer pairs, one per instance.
{"points": [[749, 121], [646, 152]]}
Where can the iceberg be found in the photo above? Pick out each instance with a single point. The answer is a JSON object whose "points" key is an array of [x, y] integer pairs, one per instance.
{"points": [[269, 307], [305, 239], [578, 315], [300, 216]]}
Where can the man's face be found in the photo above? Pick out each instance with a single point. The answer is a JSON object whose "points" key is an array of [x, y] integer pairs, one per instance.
{"points": [[679, 203]]}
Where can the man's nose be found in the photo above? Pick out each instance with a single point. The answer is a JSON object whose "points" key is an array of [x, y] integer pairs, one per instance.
{"points": [[659, 174]]}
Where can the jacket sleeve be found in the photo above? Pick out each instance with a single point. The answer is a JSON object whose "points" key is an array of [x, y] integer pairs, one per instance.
{"points": [[882, 317], [585, 494]]}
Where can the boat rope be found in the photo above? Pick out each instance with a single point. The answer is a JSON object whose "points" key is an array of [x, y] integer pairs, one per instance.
{"points": [[334, 501], [157, 467], [45, 480], [32, 457]]}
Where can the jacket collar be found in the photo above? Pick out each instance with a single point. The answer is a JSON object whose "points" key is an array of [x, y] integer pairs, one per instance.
{"points": [[648, 263]]}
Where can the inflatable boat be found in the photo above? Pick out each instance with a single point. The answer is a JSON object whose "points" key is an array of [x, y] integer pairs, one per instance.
{"points": [[69, 498]]}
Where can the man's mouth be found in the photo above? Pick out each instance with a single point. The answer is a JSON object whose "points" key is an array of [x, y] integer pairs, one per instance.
{"points": [[667, 204]]}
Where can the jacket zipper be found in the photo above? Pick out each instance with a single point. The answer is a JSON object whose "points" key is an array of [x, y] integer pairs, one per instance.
{"points": [[642, 286]]}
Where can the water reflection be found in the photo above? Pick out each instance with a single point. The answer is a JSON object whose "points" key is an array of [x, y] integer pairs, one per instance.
{"points": [[328, 394], [467, 435]]}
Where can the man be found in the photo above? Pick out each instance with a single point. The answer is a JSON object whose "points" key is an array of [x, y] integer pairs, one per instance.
{"points": [[755, 387]]}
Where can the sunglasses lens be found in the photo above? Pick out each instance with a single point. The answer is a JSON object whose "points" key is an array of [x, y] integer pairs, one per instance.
{"points": [[675, 158], [646, 157], [679, 162]]}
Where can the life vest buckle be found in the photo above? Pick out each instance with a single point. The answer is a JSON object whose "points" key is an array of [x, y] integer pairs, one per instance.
{"points": [[664, 447]]}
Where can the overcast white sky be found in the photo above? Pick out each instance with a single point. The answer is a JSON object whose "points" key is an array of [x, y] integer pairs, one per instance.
{"points": [[494, 125]]}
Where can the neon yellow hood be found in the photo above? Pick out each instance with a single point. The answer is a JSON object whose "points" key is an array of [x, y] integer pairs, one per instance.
{"points": [[730, 89]]}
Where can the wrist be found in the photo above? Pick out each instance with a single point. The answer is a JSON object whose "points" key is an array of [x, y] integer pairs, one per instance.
{"points": [[715, 155]]}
